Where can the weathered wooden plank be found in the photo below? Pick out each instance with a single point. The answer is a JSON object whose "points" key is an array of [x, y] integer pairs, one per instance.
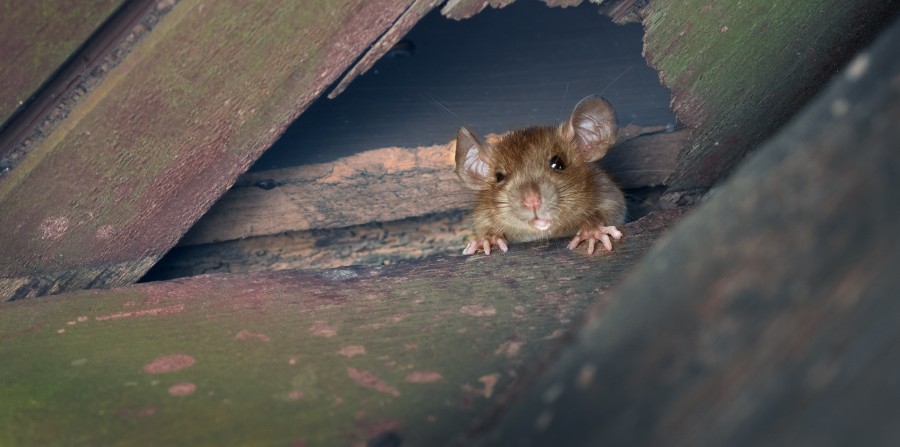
{"points": [[168, 131], [738, 70], [36, 37], [768, 316], [85, 68], [376, 243], [390, 184], [315, 358]]}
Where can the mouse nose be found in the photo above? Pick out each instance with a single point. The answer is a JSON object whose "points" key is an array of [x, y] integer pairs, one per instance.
{"points": [[531, 198]]}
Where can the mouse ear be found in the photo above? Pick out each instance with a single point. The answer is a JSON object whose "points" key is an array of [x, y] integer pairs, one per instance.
{"points": [[471, 160], [592, 127]]}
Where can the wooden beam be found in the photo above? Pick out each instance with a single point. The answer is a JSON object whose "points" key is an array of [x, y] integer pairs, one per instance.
{"points": [[768, 316], [36, 38], [390, 184], [146, 153], [335, 357], [739, 70]]}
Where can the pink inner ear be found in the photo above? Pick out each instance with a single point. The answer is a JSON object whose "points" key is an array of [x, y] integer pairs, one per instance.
{"points": [[475, 165]]}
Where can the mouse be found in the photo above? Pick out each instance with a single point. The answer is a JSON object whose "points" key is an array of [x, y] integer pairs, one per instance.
{"points": [[542, 182]]}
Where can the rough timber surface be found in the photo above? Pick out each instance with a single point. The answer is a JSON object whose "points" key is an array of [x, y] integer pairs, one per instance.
{"points": [[36, 37], [768, 317], [738, 70], [168, 131], [314, 358]]}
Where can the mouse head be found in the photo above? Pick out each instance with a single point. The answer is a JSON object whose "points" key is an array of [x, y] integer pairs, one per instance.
{"points": [[588, 133]]}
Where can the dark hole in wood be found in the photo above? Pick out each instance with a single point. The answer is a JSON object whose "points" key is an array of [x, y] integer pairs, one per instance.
{"points": [[523, 65]]}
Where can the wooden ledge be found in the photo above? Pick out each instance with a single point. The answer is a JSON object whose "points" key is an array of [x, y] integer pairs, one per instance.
{"points": [[326, 357]]}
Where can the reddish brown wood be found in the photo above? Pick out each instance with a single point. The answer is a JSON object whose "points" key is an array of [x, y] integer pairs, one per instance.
{"points": [[738, 71], [146, 153], [416, 352], [36, 38]]}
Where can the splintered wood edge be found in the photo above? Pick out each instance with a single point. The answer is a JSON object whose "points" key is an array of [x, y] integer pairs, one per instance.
{"points": [[391, 184]]}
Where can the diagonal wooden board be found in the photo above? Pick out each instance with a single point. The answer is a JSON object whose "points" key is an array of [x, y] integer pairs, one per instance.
{"points": [[313, 358], [36, 38], [739, 70], [146, 153]]}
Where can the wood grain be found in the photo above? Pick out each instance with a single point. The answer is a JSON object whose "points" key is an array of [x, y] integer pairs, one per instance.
{"points": [[738, 71], [147, 152], [325, 357], [36, 38]]}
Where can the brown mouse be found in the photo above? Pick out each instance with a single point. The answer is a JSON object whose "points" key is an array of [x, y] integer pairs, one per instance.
{"points": [[542, 182]]}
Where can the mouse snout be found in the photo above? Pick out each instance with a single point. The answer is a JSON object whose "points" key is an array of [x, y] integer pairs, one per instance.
{"points": [[531, 197]]}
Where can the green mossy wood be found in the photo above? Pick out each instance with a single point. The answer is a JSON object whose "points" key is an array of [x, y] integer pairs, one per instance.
{"points": [[740, 69], [312, 358], [769, 316], [146, 153], [36, 37]]}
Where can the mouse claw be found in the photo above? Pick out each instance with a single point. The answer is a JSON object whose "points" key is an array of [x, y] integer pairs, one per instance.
{"points": [[485, 244], [594, 235]]}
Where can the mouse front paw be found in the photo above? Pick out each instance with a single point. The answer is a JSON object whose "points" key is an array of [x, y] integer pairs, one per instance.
{"points": [[485, 243], [594, 234]]}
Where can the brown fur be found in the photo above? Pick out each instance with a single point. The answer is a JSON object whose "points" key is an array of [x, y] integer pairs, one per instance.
{"points": [[582, 194]]}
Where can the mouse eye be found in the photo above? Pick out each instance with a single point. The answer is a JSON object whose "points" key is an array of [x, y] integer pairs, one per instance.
{"points": [[500, 177], [556, 162]]}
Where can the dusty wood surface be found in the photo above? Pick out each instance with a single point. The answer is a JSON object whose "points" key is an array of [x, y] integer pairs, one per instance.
{"points": [[315, 358], [738, 70], [170, 129], [36, 37], [376, 243], [106, 47], [390, 184], [768, 316]]}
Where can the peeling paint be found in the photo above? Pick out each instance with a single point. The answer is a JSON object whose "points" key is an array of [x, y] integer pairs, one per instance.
{"points": [[182, 389], [54, 228], [352, 350], [169, 363], [246, 335], [488, 382], [369, 380], [509, 348], [423, 377], [144, 313], [322, 329], [477, 310]]}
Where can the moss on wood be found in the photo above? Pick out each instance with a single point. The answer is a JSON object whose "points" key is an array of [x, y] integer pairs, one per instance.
{"points": [[315, 358]]}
